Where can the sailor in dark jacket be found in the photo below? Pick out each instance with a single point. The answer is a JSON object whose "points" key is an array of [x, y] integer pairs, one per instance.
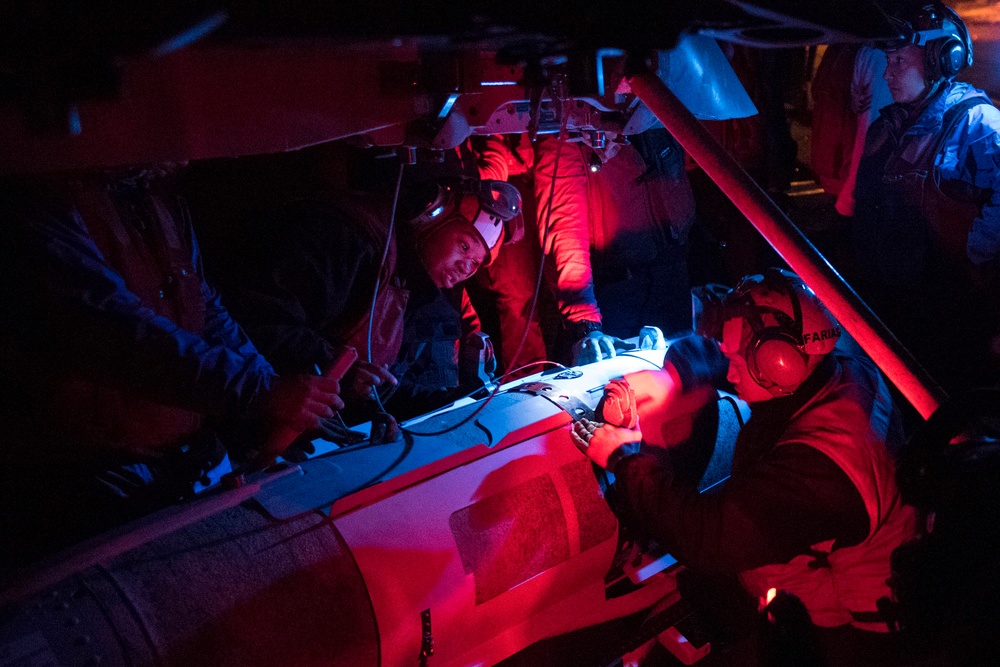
{"points": [[118, 357], [310, 289], [811, 507]]}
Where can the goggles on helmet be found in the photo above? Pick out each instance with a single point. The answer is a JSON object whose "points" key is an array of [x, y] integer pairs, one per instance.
{"points": [[494, 209]]}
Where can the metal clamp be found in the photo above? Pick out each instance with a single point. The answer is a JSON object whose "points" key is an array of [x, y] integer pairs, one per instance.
{"points": [[572, 405]]}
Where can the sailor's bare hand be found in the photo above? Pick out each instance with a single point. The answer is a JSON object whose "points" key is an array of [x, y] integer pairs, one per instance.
{"points": [[365, 376], [301, 401]]}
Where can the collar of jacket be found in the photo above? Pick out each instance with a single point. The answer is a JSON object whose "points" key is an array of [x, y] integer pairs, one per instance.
{"points": [[770, 418], [410, 270], [925, 116]]}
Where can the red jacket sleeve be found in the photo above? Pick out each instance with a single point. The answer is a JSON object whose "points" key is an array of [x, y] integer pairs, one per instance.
{"points": [[493, 158], [470, 318], [563, 226]]}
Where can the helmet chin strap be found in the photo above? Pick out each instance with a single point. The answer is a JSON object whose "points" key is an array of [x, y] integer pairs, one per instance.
{"points": [[932, 87], [776, 390]]}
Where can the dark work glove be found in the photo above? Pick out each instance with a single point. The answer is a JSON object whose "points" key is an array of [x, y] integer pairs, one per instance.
{"points": [[384, 429], [698, 361], [330, 429], [336, 431], [301, 448]]}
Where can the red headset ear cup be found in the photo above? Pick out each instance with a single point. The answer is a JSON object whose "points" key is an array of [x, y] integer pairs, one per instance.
{"points": [[779, 362]]}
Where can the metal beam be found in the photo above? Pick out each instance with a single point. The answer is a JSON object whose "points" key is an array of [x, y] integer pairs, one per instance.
{"points": [[896, 362]]}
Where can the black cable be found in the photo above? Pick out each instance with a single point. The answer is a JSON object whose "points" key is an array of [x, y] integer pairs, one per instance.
{"points": [[378, 279], [655, 365], [468, 418]]}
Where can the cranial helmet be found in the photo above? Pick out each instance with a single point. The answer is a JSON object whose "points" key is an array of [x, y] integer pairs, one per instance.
{"points": [[942, 33], [492, 207], [784, 324]]}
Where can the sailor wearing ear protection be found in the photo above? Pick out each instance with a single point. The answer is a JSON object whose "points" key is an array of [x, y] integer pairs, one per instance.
{"points": [[481, 214], [811, 507], [312, 288], [926, 234]]}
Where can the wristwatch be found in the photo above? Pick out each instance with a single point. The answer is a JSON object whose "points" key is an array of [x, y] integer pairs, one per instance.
{"points": [[578, 330]]}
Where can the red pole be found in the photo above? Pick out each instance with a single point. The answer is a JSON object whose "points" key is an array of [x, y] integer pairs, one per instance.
{"points": [[884, 348]]}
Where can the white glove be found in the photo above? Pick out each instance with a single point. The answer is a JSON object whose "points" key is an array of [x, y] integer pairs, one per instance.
{"points": [[651, 338], [595, 346]]}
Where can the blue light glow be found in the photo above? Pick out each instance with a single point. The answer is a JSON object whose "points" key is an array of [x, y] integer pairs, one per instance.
{"points": [[448, 105], [192, 34]]}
